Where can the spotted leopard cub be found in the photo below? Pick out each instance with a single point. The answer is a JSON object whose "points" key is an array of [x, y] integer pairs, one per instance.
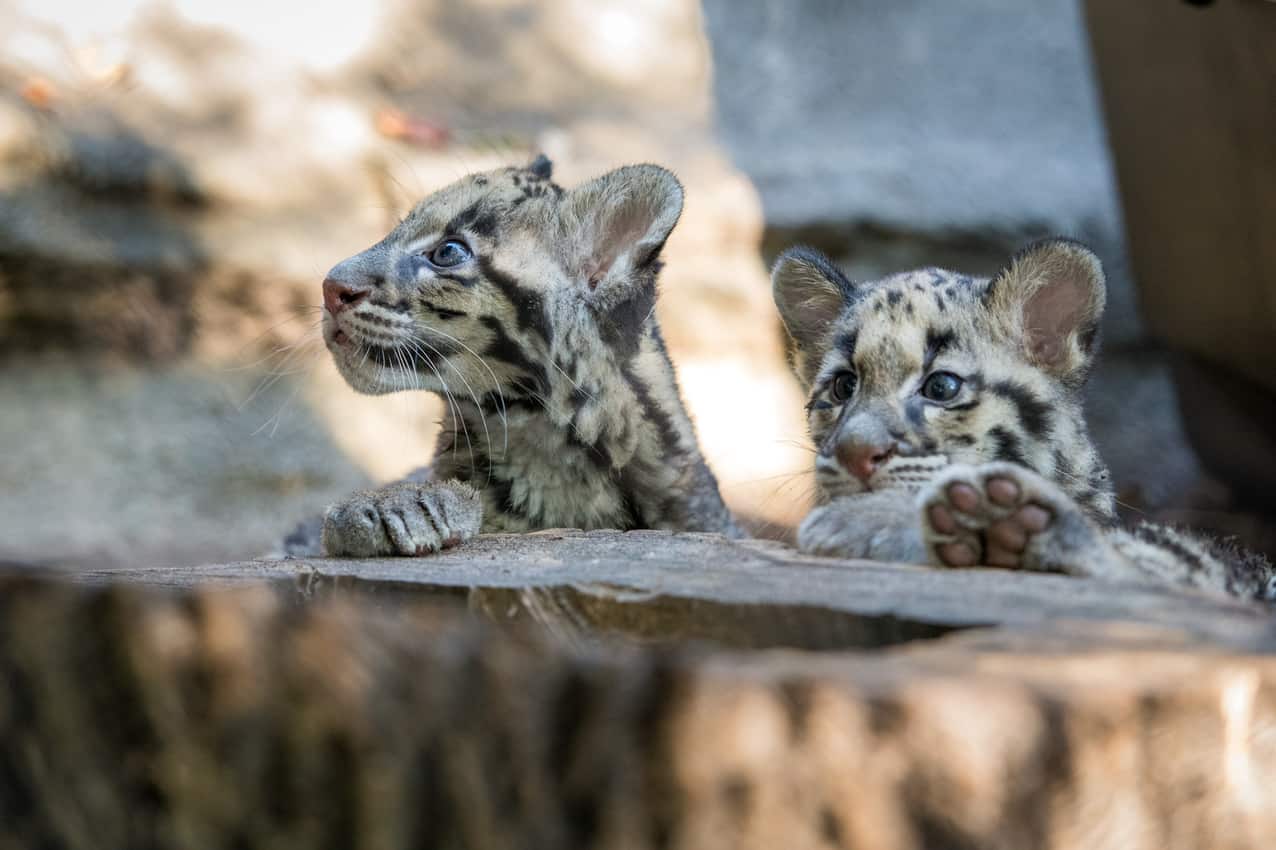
{"points": [[531, 310], [947, 412]]}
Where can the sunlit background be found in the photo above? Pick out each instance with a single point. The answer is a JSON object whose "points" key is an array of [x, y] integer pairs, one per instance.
{"points": [[176, 177]]}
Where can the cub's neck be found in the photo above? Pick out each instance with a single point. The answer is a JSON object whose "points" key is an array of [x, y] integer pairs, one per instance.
{"points": [[598, 437]]}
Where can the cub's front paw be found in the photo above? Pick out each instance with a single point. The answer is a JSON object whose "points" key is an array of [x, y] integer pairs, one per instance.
{"points": [[879, 526], [1002, 515], [405, 518]]}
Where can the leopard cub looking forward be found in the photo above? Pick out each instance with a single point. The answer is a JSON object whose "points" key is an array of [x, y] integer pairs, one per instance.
{"points": [[531, 310], [947, 414]]}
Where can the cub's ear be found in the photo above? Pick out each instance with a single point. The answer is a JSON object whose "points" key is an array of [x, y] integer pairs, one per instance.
{"points": [[618, 223], [1051, 297], [541, 167], [810, 294]]}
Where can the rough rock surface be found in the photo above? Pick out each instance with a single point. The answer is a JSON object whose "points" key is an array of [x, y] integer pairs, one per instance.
{"points": [[355, 704]]}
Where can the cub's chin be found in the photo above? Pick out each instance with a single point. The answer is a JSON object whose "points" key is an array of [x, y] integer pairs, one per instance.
{"points": [[361, 370], [368, 379]]}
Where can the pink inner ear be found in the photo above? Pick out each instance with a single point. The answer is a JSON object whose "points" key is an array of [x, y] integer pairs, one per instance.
{"points": [[618, 233], [1052, 313]]}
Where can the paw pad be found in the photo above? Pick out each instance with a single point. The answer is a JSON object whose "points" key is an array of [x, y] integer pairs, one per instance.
{"points": [[972, 519]]}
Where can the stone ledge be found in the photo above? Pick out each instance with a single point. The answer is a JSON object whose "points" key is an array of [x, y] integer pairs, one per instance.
{"points": [[661, 586]]}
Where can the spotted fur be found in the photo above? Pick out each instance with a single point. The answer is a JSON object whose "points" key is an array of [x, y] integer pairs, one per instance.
{"points": [[1019, 346], [562, 405]]}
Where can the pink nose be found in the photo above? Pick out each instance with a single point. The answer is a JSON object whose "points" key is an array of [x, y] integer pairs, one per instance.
{"points": [[338, 296], [864, 459]]}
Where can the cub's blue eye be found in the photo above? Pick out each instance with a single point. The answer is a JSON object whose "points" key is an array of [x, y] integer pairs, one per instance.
{"points": [[942, 386], [450, 253], [843, 386]]}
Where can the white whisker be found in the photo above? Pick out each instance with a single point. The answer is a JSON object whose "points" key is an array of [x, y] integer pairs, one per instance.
{"points": [[308, 337], [587, 394], [487, 436], [451, 401], [275, 375], [496, 385]]}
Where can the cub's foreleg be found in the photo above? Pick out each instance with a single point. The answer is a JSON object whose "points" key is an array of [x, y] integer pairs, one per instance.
{"points": [[880, 525], [1003, 515]]}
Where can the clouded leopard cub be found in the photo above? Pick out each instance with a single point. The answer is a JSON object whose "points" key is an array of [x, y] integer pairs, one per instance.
{"points": [[947, 413], [531, 310]]}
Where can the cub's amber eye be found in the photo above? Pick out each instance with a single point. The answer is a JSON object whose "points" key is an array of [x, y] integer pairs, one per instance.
{"points": [[942, 386], [450, 253], [843, 386]]}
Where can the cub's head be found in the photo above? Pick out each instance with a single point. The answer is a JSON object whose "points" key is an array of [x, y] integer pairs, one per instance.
{"points": [[477, 287], [931, 367]]}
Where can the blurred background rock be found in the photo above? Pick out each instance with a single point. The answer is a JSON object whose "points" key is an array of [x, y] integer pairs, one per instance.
{"points": [[176, 177]]}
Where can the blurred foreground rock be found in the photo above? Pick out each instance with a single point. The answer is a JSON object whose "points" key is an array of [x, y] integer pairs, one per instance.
{"points": [[358, 704]]}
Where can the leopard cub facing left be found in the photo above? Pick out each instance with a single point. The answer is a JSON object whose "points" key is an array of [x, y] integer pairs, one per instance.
{"points": [[530, 309], [947, 415]]}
